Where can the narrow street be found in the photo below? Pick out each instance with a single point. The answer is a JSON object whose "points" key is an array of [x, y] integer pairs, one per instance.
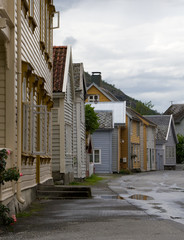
{"points": [[111, 213]]}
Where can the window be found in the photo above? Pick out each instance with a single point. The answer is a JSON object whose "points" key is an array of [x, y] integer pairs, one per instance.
{"points": [[170, 152], [93, 98], [36, 129], [24, 90], [96, 156]]}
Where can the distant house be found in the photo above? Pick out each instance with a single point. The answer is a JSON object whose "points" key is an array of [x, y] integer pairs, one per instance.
{"points": [[107, 139], [177, 110], [96, 93], [79, 131], [101, 156], [145, 133], [166, 140]]}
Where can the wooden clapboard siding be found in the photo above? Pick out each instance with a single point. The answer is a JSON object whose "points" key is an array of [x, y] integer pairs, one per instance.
{"points": [[55, 139], [103, 140], [31, 51], [68, 115], [2, 95], [115, 150], [45, 172], [29, 175]]}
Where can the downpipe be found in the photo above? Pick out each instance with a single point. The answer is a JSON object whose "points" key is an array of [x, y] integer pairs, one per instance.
{"points": [[19, 100]]}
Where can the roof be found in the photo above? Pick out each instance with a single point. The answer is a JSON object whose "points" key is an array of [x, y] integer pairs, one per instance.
{"points": [[163, 123], [118, 109], [105, 92], [137, 116], [132, 114], [177, 110], [105, 119]]}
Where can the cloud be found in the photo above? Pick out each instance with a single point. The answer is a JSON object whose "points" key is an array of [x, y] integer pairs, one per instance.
{"points": [[70, 41], [137, 45]]}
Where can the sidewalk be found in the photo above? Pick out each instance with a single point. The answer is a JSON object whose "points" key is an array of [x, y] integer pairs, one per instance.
{"points": [[104, 217]]}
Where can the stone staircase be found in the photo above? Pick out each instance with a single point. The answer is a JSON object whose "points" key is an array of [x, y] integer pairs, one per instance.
{"points": [[63, 192]]}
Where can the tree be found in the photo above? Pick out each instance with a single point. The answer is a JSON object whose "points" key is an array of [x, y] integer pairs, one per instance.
{"points": [[145, 108], [180, 149], [91, 119]]}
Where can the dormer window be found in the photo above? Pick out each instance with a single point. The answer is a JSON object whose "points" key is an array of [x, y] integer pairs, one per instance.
{"points": [[93, 98]]}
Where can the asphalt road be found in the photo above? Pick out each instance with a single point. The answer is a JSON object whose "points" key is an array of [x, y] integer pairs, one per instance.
{"points": [[110, 214]]}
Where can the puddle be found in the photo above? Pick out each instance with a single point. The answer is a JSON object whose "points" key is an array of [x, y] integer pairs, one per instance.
{"points": [[141, 197], [109, 197]]}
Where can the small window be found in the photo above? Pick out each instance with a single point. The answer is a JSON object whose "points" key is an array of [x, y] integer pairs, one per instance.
{"points": [[93, 98], [24, 91], [97, 156]]}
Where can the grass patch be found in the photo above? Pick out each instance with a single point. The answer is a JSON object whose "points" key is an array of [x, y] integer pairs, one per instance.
{"points": [[34, 208], [89, 181], [125, 172]]}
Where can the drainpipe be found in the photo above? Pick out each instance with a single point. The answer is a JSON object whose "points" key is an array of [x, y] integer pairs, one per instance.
{"points": [[19, 100]]}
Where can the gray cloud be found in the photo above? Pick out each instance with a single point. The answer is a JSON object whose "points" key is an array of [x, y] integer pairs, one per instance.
{"points": [[70, 41], [137, 45]]}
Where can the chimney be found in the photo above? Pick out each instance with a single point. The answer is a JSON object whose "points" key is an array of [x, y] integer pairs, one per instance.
{"points": [[97, 78]]}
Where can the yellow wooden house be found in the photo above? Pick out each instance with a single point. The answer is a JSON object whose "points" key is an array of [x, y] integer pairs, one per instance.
{"points": [[26, 31]]}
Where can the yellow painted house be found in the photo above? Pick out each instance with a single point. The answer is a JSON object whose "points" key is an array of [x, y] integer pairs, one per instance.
{"points": [[26, 32]]}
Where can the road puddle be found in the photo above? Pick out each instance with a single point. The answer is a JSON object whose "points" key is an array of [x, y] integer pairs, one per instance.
{"points": [[110, 197], [141, 197]]}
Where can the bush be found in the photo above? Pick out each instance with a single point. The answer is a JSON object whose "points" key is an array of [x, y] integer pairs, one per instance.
{"points": [[6, 175]]}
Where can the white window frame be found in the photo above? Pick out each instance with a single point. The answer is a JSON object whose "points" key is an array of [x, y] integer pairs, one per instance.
{"points": [[91, 98], [38, 111], [31, 114], [97, 149]]}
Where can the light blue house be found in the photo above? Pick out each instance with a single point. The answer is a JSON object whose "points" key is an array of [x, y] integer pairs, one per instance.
{"points": [[106, 140]]}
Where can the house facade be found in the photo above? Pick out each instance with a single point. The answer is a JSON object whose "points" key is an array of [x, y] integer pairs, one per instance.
{"points": [[80, 161], [177, 110], [69, 92], [26, 95], [109, 138], [166, 141]]}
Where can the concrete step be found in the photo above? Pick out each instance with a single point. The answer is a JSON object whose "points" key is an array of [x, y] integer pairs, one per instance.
{"points": [[63, 192]]}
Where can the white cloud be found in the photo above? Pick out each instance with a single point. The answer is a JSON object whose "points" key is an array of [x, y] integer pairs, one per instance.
{"points": [[137, 45]]}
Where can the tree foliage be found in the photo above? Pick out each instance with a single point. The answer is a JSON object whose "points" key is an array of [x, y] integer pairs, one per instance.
{"points": [[180, 149], [145, 108], [91, 119]]}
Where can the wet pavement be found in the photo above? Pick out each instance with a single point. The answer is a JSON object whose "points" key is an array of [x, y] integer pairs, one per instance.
{"points": [[110, 214]]}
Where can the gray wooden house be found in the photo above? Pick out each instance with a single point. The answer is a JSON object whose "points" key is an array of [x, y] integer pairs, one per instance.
{"points": [[166, 140], [106, 140], [102, 143], [177, 110], [79, 131]]}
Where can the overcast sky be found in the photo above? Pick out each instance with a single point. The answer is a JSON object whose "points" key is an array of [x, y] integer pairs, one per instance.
{"points": [[138, 45]]}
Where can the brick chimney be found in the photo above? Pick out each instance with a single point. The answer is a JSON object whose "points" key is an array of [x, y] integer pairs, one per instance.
{"points": [[97, 78]]}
